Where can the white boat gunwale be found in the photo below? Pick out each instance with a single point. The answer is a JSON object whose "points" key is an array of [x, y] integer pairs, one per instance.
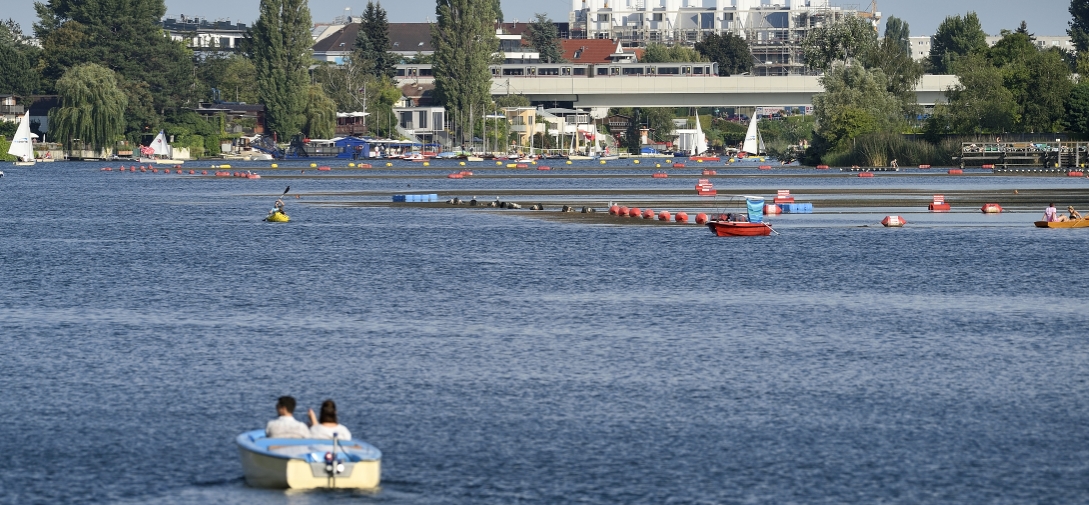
{"points": [[272, 462]]}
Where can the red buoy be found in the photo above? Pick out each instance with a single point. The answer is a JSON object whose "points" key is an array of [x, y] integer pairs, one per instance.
{"points": [[957, 171], [1075, 173], [865, 174], [924, 167], [991, 208], [822, 167], [770, 209], [324, 169], [648, 214], [623, 212], [203, 172], [663, 216], [682, 217], [614, 210], [701, 218], [634, 212], [764, 167], [660, 175], [893, 222], [678, 165]]}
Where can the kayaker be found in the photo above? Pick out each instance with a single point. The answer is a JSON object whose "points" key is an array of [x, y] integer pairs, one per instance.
{"points": [[286, 426], [327, 426], [278, 206]]}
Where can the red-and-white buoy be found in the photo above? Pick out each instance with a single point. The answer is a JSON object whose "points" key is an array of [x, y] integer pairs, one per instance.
{"points": [[893, 222], [991, 208]]}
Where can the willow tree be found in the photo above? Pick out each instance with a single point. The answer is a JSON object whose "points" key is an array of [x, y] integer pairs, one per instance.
{"points": [[464, 40], [281, 57], [92, 107], [321, 114]]}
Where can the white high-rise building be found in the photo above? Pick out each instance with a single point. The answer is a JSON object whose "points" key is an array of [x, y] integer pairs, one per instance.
{"points": [[774, 30]]}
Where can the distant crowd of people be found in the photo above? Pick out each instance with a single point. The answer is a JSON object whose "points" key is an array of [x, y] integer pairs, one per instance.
{"points": [[324, 425]]}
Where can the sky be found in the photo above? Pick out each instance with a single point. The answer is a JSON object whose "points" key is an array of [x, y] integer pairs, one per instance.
{"points": [[1044, 17]]}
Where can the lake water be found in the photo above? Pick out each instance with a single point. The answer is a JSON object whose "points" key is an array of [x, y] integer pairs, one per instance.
{"points": [[146, 320]]}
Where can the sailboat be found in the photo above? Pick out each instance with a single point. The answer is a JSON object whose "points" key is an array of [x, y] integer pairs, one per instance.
{"points": [[701, 144], [754, 143], [159, 151], [22, 146]]}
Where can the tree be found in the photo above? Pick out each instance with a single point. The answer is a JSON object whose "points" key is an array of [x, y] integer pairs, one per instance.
{"points": [[979, 103], [956, 37], [227, 77], [18, 75], [464, 40], [92, 106], [661, 53], [504, 101], [1049, 79], [898, 32], [544, 36], [321, 114], [372, 42], [1079, 25], [841, 41], [902, 72], [855, 101], [122, 35], [731, 52], [281, 57], [1076, 119]]}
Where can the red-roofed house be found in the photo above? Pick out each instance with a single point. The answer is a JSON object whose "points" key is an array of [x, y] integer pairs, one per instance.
{"points": [[598, 51]]}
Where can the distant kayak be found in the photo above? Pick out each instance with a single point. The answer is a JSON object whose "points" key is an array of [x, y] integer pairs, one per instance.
{"points": [[306, 463], [277, 217]]}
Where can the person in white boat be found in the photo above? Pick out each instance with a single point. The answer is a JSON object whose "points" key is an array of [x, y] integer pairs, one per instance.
{"points": [[286, 426], [326, 426]]}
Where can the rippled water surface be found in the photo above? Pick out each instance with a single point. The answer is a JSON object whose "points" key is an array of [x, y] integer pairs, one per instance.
{"points": [[495, 358]]}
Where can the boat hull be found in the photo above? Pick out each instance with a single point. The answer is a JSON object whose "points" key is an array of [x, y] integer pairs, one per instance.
{"points": [[735, 229], [1074, 223], [264, 468], [277, 217], [162, 161]]}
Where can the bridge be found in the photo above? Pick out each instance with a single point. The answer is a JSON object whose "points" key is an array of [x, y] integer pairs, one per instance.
{"points": [[665, 91]]}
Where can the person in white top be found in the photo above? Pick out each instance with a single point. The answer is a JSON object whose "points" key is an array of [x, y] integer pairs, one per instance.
{"points": [[327, 426], [286, 426]]}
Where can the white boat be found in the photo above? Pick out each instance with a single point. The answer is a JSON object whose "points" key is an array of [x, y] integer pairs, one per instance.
{"points": [[159, 152], [305, 463], [701, 139], [22, 146], [754, 143]]}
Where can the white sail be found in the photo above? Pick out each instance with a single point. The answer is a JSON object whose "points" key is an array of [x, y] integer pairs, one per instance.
{"points": [[753, 142], [21, 144], [701, 139], [160, 146]]}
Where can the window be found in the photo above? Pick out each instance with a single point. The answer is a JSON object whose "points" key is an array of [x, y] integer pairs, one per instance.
{"points": [[514, 71], [603, 71], [602, 18], [565, 71], [669, 70], [406, 120], [633, 71], [707, 20], [580, 71], [423, 120], [426, 72], [699, 71], [657, 16]]}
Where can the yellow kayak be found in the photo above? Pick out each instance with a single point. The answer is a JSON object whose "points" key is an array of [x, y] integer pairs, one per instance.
{"points": [[277, 217]]}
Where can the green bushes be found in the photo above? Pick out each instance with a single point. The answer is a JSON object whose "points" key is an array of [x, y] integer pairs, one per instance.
{"points": [[879, 149]]}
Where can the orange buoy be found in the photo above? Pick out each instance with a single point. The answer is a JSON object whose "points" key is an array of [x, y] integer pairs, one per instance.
{"points": [[822, 167], [648, 214], [893, 222], [614, 210], [1075, 173], [984, 166], [708, 171], [957, 171], [682, 217], [455, 176], [364, 165], [191, 172], [770, 209], [623, 212], [764, 167], [466, 173], [991, 208], [663, 216], [660, 175], [203, 172], [865, 174], [178, 171], [924, 167], [701, 218], [678, 165], [634, 212], [544, 168], [521, 165], [324, 169]]}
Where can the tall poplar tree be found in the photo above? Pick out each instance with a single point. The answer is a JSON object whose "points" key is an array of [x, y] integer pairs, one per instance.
{"points": [[897, 31], [464, 40], [956, 37], [372, 44], [281, 57], [1079, 25]]}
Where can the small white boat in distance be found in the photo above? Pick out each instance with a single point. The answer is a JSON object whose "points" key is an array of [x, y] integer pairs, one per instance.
{"points": [[307, 463], [22, 146]]}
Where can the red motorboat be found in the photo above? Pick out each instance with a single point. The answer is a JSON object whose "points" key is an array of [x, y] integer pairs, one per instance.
{"points": [[739, 229], [747, 222]]}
